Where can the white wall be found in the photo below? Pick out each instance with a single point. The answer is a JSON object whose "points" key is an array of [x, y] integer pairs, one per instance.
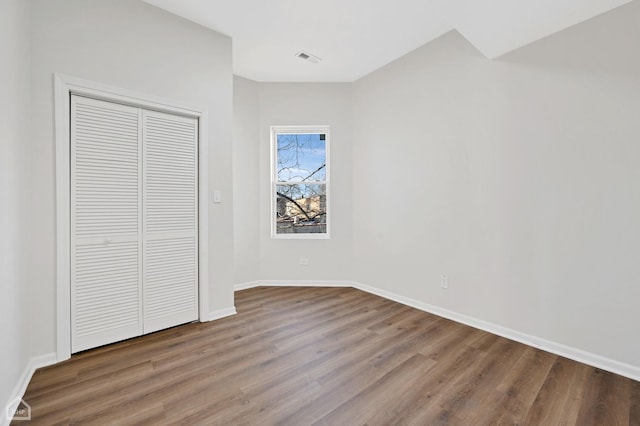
{"points": [[132, 45], [14, 199], [257, 106], [282, 104], [246, 165], [518, 178]]}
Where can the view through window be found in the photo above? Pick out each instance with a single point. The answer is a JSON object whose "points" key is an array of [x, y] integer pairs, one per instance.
{"points": [[300, 182]]}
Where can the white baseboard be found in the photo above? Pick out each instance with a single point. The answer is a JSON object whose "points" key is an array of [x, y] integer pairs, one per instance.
{"points": [[594, 360], [247, 285], [21, 386], [221, 313], [293, 283]]}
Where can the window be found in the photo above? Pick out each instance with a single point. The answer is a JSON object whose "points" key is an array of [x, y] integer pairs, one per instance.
{"points": [[300, 182]]}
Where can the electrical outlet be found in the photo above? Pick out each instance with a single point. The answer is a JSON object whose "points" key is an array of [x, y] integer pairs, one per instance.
{"points": [[444, 281], [303, 261]]}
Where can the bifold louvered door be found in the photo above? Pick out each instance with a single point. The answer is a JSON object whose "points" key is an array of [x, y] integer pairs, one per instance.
{"points": [[133, 221], [170, 220]]}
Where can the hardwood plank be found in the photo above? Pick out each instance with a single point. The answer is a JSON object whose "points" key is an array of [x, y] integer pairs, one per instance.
{"points": [[518, 388], [342, 377], [560, 395], [370, 399], [634, 408], [606, 399], [299, 356], [420, 401]]}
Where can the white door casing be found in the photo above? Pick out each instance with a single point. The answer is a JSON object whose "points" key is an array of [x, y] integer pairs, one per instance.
{"points": [[65, 86]]}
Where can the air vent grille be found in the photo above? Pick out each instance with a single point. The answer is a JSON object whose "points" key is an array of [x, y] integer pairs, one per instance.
{"points": [[308, 57]]}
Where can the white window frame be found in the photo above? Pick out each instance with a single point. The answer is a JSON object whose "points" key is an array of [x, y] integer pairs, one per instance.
{"points": [[275, 131]]}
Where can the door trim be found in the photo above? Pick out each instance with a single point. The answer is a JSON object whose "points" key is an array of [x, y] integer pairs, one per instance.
{"points": [[64, 86]]}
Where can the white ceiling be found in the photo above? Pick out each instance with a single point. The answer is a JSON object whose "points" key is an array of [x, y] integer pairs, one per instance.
{"points": [[356, 37]]}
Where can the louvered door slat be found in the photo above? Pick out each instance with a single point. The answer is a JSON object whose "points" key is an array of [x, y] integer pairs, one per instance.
{"points": [[170, 279], [106, 269], [170, 220]]}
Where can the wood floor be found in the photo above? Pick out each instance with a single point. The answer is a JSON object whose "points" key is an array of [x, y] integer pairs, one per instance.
{"points": [[327, 356]]}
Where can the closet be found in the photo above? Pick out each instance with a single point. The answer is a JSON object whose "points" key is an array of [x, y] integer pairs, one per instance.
{"points": [[134, 221]]}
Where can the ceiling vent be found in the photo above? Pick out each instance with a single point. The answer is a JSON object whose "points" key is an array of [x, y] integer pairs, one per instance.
{"points": [[308, 57]]}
